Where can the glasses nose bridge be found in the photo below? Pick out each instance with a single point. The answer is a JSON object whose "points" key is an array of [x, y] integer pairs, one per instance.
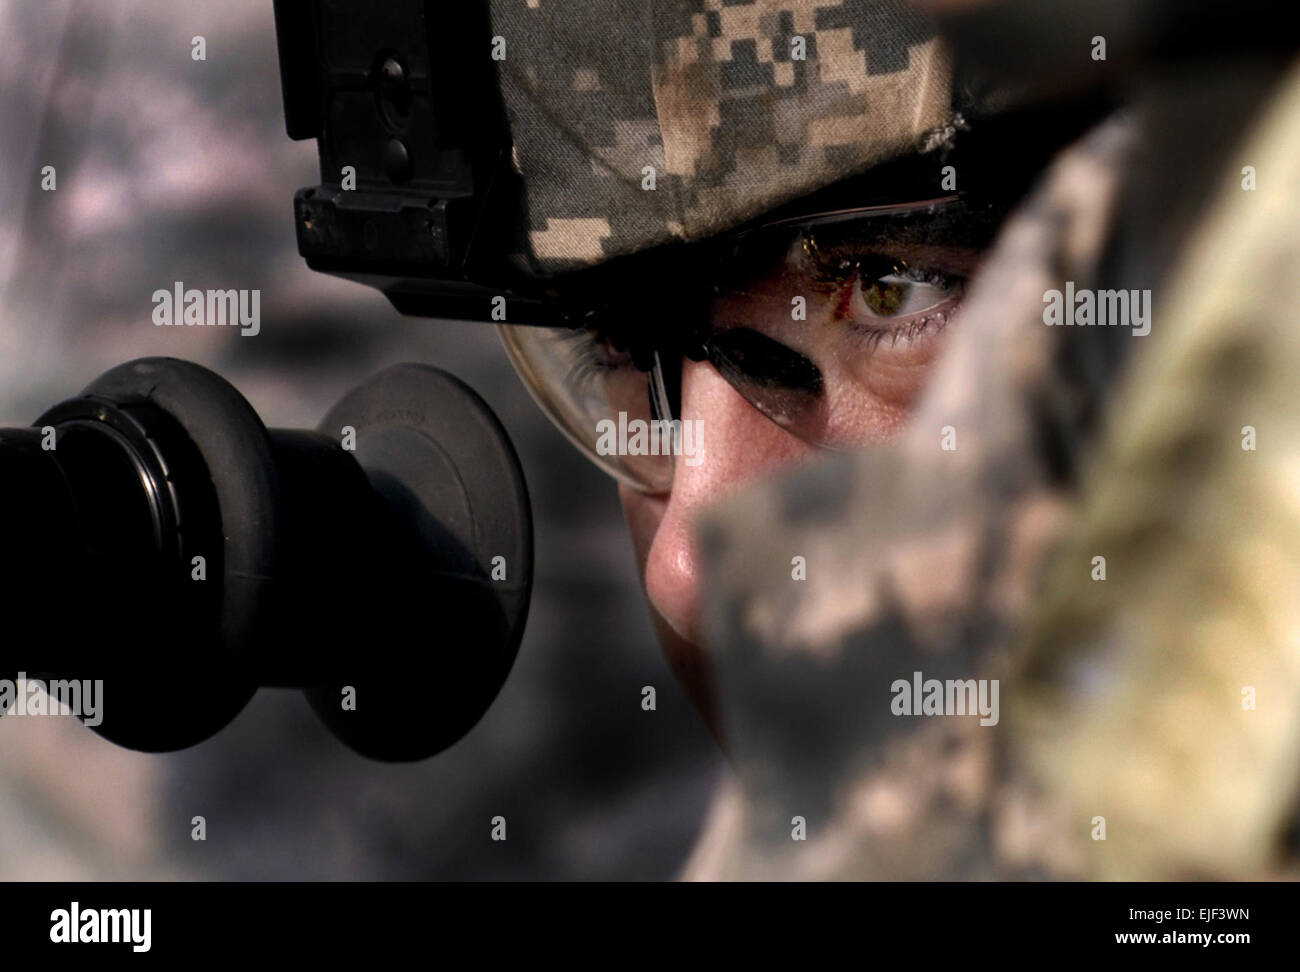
{"points": [[665, 386]]}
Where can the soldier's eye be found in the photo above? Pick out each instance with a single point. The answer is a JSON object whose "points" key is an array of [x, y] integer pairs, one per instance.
{"points": [[885, 296], [903, 306], [906, 292], [593, 357]]}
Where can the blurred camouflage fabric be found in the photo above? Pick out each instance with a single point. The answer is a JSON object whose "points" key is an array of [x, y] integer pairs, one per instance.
{"points": [[714, 95], [1121, 698], [918, 559]]}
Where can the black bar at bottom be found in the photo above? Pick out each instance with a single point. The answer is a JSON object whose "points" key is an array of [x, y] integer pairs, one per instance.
{"points": [[478, 922]]}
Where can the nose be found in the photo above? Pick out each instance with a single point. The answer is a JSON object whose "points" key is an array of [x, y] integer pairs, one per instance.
{"points": [[735, 445]]}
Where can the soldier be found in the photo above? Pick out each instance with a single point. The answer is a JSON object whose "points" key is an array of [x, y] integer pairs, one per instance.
{"points": [[820, 243], [806, 193], [796, 206]]}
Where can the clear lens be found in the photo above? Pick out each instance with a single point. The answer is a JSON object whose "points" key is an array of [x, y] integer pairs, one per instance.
{"points": [[829, 326], [597, 397]]}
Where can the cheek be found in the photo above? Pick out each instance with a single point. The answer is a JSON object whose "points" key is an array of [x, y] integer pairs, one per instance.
{"points": [[896, 373]]}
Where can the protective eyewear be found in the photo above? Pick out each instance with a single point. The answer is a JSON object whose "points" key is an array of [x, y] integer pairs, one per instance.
{"points": [[826, 324]]}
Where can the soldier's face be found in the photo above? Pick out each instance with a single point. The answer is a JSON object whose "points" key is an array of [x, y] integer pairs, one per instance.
{"points": [[818, 332], [872, 382], [739, 444]]}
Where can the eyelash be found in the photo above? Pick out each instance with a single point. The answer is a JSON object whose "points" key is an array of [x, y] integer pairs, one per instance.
{"points": [[588, 359], [835, 277], [906, 331]]}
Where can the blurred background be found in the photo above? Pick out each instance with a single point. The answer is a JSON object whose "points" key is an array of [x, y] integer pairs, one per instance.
{"points": [[174, 169]]}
